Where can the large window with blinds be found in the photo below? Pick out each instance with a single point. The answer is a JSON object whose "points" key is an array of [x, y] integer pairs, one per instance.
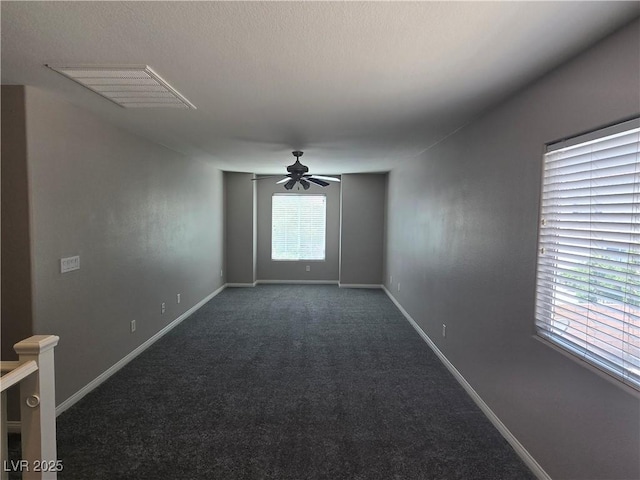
{"points": [[588, 276], [298, 226]]}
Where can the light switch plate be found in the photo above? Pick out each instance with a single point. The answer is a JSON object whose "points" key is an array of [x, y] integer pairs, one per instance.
{"points": [[69, 264]]}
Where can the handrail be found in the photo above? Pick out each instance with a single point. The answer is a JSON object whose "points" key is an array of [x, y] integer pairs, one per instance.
{"points": [[7, 366], [17, 374]]}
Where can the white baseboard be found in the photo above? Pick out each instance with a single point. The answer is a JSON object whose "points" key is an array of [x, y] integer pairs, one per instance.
{"points": [[359, 285], [299, 282], [73, 399], [241, 285], [526, 457]]}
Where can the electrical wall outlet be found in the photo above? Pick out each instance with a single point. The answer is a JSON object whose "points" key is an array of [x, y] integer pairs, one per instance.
{"points": [[221, 272], [308, 268], [178, 298], [444, 330], [163, 308], [133, 326]]}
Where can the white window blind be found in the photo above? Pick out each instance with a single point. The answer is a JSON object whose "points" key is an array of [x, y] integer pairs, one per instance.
{"points": [[588, 277], [298, 227]]}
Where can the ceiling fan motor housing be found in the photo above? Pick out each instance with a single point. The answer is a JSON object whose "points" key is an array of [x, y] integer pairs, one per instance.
{"points": [[297, 168]]}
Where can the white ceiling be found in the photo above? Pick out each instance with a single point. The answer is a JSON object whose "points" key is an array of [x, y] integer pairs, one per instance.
{"points": [[359, 86]]}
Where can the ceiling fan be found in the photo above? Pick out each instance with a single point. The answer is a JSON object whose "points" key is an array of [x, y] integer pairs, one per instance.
{"points": [[298, 173]]}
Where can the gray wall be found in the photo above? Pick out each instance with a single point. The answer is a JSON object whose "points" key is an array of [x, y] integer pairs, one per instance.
{"points": [[462, 234], [362, 228], [16, 243], [283, 270], [240, 232], [147, 223]]}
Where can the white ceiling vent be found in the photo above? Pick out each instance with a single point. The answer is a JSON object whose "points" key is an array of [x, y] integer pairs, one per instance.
{"points": [[130, 86]]}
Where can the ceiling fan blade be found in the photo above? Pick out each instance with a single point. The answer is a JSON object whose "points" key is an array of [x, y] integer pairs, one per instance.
{"points": [[322, 183], [322, 177], [265, 177], [285, 179]]}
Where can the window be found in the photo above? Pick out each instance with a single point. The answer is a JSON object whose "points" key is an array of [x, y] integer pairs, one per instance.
{"points": [[298, 226], [588, 279]]}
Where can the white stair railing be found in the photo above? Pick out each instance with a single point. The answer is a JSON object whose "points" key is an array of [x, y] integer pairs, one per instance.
{"points": [[35, 374]]}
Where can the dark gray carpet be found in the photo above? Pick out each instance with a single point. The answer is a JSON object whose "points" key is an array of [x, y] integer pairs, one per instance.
{"points": [[285, 382]]}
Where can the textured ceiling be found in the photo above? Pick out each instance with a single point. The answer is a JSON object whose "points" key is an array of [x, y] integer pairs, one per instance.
{"points": [[359, 86]]}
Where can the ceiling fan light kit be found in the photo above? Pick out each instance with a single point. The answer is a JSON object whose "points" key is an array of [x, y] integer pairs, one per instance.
{"points": [[298, 173]]}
